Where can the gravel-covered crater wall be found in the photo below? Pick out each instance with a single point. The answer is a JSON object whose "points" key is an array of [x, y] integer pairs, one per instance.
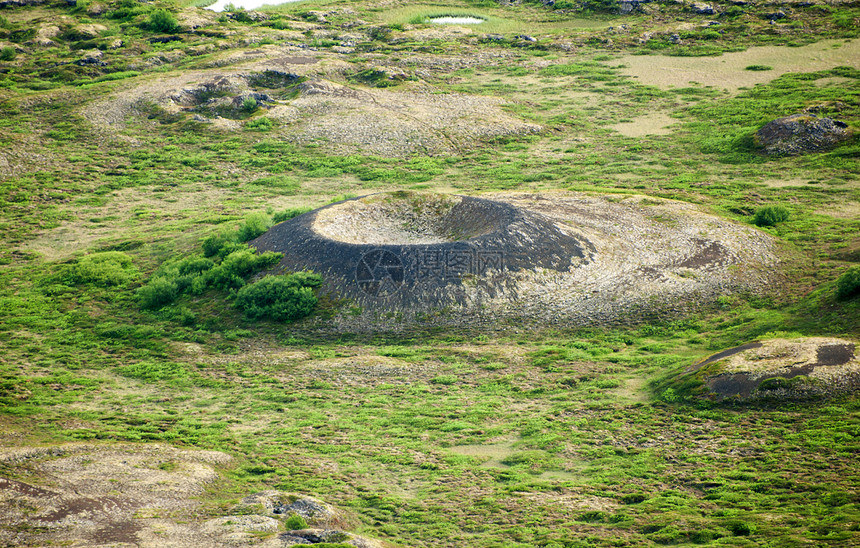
{"points": [[555, 258], [407, 250]]}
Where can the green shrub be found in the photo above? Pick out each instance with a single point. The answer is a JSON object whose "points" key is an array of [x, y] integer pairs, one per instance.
{"points": [[7, 53], [128, 9], [279, 298], [295, 522], [246, 261], [592, 516], [260, 124], [254, 225], [446, 380], [848, 284], [770, 215], [220, 244], [161, 20], [154, 371], [219, 278], [633, 498], [740, 528], [104, 269], [249, 104], [157, 293], [758, 68], [288, 214], [194, 265]]}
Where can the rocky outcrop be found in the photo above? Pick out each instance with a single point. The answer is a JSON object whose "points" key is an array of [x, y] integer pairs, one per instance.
{"points": [[779, 369], [801, 134]]}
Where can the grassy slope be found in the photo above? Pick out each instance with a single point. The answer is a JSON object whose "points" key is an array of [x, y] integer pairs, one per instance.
{"points": [[370, 423]]}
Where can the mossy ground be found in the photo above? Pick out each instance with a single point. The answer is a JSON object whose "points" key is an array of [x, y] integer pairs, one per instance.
{"points": [[601, 454]]}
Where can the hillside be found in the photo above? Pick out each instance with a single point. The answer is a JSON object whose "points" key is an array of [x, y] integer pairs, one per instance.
{"points": [[585, 273]]}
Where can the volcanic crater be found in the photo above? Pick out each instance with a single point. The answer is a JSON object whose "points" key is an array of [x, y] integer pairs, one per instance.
{"points": [[556, 257]]}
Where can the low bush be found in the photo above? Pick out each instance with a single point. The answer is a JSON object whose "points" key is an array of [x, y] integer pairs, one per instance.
{"points": [[157, 293], [770, 215], [221, 244], [224, 265], [633, 498], [288, 214], [106, 269], [161, 20], [279, 298], [848, 284], [740, 528], [249, 104], [7, 53], [260, 124], [295, 522], [254, 225]]}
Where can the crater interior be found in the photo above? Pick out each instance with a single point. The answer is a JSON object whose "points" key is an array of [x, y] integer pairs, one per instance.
{"points": [[407, 218]]}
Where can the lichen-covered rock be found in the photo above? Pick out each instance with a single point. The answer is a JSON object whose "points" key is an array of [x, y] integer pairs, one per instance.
{"points": [[800, 134]]}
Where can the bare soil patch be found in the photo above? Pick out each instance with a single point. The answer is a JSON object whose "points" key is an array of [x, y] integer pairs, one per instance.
{"points": [[656, 123], [728, 70]]}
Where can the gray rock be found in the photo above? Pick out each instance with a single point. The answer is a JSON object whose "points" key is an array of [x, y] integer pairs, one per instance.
{"points": [[775, 16], [90, 58], [801, 134], [627, 6], [702, 9]]}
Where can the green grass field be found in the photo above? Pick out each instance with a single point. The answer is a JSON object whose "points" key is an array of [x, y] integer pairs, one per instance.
{"points": [[515, 436]]}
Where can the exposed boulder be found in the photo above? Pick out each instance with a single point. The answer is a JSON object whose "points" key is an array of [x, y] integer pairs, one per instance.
{"points": [[91, 58], [627, 6], [328, 537], [278, 504], [800, 134], [195, 18], [45, 35], [702, 9]]}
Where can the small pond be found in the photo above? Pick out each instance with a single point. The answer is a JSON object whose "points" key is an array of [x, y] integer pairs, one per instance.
{"points": [[458, 20]]}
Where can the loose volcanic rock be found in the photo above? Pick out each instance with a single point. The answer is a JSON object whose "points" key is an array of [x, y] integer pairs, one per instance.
{"points": [[419, 250]]}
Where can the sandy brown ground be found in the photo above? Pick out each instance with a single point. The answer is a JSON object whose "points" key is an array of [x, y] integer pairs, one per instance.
{"points": [[728, 70], [145, 495]]}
